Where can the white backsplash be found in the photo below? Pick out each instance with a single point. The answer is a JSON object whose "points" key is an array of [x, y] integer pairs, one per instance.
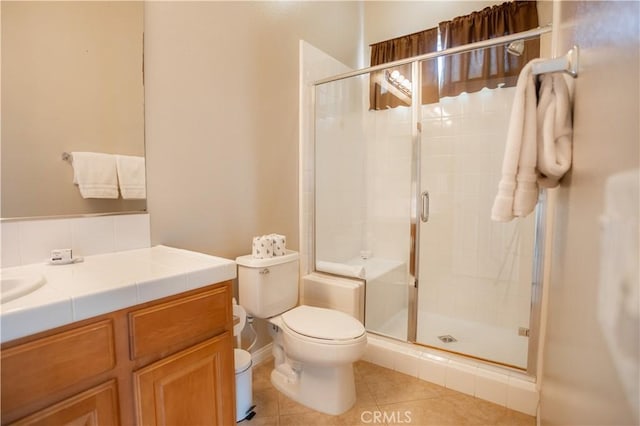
{"points": [[31, 241]]}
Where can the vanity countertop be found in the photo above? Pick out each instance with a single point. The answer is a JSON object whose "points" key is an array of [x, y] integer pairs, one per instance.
{"points": [[106, 283]]}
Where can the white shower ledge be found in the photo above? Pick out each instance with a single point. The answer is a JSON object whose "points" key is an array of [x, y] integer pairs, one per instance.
{"points": [[106, 283]]}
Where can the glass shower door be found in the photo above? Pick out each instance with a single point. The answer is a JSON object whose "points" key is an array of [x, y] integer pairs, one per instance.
{"points": [[363, 191], [474, 292]]}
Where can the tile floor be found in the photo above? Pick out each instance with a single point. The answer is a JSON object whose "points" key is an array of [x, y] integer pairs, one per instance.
{"points": [[384, 397]]}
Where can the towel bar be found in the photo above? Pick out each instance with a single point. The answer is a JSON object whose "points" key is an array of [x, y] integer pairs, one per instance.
{"points": [[567, 64], [67, 157]]}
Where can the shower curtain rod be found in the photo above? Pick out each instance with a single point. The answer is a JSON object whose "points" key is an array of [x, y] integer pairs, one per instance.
{"points": [[523, 35]]}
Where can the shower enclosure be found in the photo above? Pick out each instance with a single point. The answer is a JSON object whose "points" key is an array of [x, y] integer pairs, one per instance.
{"points": [[403, 198]]}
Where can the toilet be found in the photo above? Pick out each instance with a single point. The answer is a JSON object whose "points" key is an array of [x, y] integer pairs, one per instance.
{"points": [[314, 348]]}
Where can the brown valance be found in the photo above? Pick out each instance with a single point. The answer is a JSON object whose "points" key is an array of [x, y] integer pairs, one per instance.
{"points": [[463, 72], [384, 93], [490, 67]]}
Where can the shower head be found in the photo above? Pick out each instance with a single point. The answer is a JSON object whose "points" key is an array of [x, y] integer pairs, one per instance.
{"points": [[516, 47]]}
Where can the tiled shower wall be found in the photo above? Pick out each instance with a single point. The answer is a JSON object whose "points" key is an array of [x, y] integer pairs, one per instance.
{"points": [[363, 190], [388, 179], [472, 268], [314, 65], [340, 187]]}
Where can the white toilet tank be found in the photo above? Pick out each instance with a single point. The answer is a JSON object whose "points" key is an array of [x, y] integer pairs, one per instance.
{"points": [[268, 287]]}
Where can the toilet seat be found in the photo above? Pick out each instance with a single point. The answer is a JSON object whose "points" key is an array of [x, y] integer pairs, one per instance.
{"points": [[324, 325]]}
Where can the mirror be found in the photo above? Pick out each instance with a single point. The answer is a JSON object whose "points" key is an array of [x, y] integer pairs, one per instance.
{"points": [[72, 80]]}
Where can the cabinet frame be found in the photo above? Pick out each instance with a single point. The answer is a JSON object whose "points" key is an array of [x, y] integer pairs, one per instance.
{"points": [[123, 368]]}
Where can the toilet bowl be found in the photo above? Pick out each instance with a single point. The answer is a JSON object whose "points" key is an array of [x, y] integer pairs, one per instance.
{"points": [[314, 348], [317, 348], [322, 336]]}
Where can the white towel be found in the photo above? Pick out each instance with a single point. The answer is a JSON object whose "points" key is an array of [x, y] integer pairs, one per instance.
{"points": [[95, 174], [538, 148], [131, 176], [518, 190], [355, 271], [554, 130]]}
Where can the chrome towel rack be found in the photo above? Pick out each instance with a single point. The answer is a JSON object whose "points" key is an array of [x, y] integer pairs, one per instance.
{"points": [[567, 64]]}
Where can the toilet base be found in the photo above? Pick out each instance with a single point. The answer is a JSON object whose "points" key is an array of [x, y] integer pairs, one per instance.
{"points": [[330, 390]]}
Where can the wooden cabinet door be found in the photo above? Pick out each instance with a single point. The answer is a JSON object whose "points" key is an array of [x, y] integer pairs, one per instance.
{"points": [[166, 328], [95, 407], [33, 371], [192, 387]]}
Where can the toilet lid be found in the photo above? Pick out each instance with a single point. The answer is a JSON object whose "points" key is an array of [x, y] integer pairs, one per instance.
{"points": [[321, 323]]}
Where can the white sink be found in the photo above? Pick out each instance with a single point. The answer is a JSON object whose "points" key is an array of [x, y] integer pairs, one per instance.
{"points": [[15, 287]]}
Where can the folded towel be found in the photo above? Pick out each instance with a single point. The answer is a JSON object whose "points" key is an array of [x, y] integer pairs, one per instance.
{"points": [[131, 176], [262, 247], [554, 130], [355, 271], [95, 174], [518, 188], [538, 150]]}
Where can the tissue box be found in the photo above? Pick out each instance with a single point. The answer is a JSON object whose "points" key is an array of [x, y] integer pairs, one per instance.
{"points": [[262, 247], [279, 244], [267, 246]]}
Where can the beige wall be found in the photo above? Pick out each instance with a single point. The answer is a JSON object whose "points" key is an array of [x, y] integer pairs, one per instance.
{"points": [[222, 115], [71, 81], [221, 93], [222, 107], [582, 381]]}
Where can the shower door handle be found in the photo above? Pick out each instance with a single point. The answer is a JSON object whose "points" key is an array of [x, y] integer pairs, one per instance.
{"points": [[424, 212]]}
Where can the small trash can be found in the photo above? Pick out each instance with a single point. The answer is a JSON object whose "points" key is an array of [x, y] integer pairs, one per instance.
{"points": [[244, 396]]}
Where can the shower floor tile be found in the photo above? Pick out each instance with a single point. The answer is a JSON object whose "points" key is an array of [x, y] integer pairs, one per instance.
{"points": [[384, 397]]}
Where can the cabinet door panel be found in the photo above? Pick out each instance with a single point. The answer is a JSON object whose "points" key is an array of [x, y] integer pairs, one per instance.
{"points": [[97, 406], [177, 324], [195, 386], [32, 371]]}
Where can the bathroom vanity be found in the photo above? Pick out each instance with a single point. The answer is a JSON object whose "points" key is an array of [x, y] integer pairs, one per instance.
{"points": [[166, 360]]}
